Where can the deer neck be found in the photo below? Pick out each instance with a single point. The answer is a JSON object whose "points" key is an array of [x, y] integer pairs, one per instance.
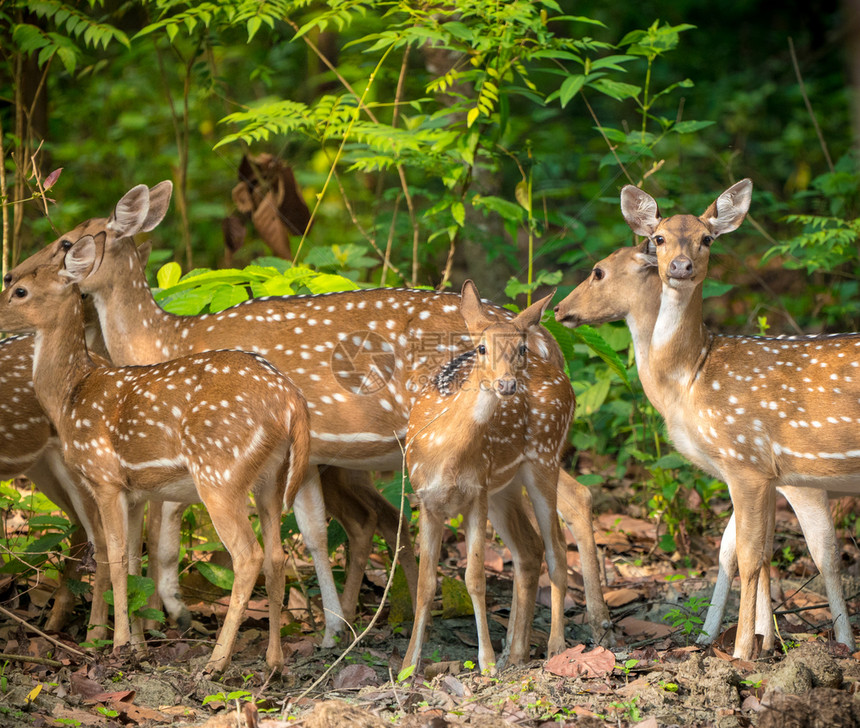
{"points": [[60, 360], [679, 343], [135, 328], [641, 325]]}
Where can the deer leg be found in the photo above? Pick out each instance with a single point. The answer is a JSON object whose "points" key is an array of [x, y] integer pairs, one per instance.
{"points": [[153, 534], [542, 489], [812, 508], [270, 506], [753, 499], [507, 510], [134, 536], [359, 522], [475, 522], [114, 518], [763, 605], [309, 508], [575, 505], [228, 513], [165, 559], [430, 540], [728, 562]]}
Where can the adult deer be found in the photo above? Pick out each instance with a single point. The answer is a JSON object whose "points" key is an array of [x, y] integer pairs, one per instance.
{"points": [[359, 357], [626, 285], [472, 444], [203, 427], [765, 411]]}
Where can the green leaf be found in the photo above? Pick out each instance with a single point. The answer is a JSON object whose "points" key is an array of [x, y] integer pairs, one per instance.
{"points": [[590, 479], [507, 209], [253, 26], [598, 345], [169, 275], [713, 288], [220, 576], [458, 212], [329, 283], [472, 116], [616, 89], [688, 127], [227, 296], [571, 86]]}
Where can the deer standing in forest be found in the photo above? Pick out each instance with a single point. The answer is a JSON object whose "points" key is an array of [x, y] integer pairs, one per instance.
{"points": [[359, 357], [626, 285], [472, 443], [759, 412], [209, 427]]}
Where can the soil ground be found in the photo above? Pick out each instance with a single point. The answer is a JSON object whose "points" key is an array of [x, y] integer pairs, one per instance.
{"points": [[655, 676]]}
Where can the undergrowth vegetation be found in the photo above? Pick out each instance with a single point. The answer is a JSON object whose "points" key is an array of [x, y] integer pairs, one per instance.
{"points": [[428, 145]]}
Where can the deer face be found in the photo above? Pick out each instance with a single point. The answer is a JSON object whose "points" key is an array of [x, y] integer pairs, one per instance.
{"points": [[683, 245], [616, 286], [683, 242], [31, 300], [500, 358]]}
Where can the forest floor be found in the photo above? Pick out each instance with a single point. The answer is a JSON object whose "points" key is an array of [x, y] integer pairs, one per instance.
{"points": [[655, 676]]}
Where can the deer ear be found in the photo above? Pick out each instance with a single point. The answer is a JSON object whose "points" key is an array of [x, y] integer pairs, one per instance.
{"points": [[144, 250], [81, 260], [639, 210], [159, 201], [130, 212], [647, 260], [728, 211], [532, 315], [472, 309]]}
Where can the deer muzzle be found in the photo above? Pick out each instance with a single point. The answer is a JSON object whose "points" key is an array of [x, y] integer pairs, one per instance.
{"points": [[506, 386], [681, 268]]}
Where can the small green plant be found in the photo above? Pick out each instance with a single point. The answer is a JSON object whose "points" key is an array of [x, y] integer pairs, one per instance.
{"points": [[405, 673], [224, 697], [469, 665], [686, 616], [628, 708], [669, 687], [107, 712], [626, 667]]}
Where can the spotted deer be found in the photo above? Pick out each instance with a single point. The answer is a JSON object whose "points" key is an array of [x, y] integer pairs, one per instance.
{"points": [[626, 285], [208, 427], [29, 445], [472, 444], [760, 412], [359, 357]]}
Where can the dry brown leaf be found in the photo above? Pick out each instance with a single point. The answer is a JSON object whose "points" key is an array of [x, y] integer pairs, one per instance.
{"points": [[620, 597], [575, 662], [353, 677], [643, 628]]}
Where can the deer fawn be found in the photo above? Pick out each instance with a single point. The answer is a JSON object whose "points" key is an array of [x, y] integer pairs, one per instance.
{"points": [[359, 357], [203, 427], [760, 411], [626, 286], [472, 443]]}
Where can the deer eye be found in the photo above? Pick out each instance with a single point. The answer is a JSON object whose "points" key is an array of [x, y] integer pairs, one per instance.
{"points": [[659, 240], [523, 349], [66, 244], [707, 240], [20, 292], [482, 350], [598, 274]]}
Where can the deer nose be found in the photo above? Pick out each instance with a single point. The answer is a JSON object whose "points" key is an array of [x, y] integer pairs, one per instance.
{"points": [[681, 267], [506, 386]]}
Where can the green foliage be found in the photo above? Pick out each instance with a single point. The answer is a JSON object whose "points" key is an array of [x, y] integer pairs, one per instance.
{"points": [[686, 616], [139, 590]]}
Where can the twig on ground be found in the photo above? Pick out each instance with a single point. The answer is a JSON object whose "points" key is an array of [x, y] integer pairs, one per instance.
{"points": [[30, 658], [39, 632]]}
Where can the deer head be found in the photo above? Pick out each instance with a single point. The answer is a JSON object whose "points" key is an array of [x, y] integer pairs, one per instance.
{"points": [[139, 210], [684, 241], [500, 348]]}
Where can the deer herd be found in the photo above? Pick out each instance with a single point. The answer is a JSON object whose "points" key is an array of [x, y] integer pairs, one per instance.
{"points": [[108, 402]]}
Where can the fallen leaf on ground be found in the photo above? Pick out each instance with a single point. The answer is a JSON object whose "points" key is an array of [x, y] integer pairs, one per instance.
{"points": [[355, 676], [643, 628], [620, 597], [575, 662]]}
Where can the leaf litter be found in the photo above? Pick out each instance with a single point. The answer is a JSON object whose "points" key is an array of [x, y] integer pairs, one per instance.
{"points": [[656, 677]]}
